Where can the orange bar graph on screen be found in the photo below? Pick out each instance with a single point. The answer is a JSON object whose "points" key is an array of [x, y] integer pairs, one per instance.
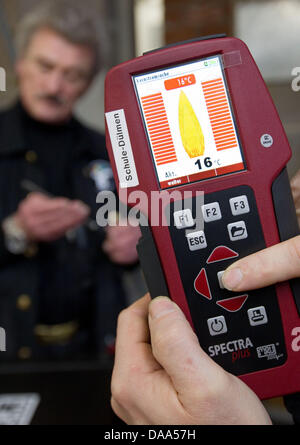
{"points": [[159, 129], [219, 114]]}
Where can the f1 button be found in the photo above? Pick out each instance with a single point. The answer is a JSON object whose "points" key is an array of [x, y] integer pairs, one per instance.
{"points": [[183, 218], [217, 325]]}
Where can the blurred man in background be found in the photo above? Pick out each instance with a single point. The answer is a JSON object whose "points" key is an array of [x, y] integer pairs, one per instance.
{"points": [[60, 286]]}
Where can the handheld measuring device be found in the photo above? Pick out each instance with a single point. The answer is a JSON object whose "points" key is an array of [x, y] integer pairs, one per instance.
{"points": [[197, 117]]}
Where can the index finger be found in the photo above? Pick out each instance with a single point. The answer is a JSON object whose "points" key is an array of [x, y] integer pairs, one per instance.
{"points": [[268, 266]]}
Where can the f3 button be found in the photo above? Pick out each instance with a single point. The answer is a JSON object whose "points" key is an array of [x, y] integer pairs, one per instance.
{"points": [[239, 205], [196, 240]]}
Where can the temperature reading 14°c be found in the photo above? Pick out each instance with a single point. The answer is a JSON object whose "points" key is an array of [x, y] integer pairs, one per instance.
{"points": [[206, 161]]}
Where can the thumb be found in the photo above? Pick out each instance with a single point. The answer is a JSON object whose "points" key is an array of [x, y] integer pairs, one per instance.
{"points": [[176, 348]]}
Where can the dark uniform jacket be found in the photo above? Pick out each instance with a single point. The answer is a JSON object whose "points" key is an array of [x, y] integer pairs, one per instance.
{"points": [[87, 292]]}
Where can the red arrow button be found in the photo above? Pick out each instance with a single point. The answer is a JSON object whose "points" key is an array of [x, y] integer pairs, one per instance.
{"points": [[221, 253], [233, 304], [201, 285]]}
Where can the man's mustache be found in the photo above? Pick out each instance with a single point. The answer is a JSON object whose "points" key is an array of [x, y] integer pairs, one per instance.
{"points": [[55, 99]]}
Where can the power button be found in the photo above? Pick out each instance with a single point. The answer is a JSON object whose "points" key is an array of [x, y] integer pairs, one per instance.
{"points": [[217, 325]]}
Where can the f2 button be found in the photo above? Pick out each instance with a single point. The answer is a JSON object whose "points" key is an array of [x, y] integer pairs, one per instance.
{"points": [[211, 212], [196, 240]]}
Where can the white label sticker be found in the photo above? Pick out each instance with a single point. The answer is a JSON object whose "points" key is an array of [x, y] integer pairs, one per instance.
{"points": [[266, 140], [18, 409], [121, 145]]}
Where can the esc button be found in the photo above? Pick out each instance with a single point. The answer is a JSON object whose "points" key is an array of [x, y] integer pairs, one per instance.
{"points": [[196, 240]]}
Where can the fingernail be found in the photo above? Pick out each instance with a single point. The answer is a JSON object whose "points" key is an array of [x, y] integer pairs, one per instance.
{"points": [[161, 306], [232, 278]]}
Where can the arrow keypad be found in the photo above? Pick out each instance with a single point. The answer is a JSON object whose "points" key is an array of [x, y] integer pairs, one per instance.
{"points": [[230, 229]]}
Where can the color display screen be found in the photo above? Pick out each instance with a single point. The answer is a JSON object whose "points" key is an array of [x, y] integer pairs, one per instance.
{"points": [[189, 122]]}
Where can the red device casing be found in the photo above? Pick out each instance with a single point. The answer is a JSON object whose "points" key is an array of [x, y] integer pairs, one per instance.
{"points": [[255, 115]]}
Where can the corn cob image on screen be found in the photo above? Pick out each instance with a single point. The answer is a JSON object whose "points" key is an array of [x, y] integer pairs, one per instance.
{"points": [[190, 128], [189, 122]]}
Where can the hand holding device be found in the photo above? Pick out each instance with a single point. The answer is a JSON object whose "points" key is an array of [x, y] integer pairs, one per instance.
{"points": [[179, 383], [197, 117], [269, 266]]}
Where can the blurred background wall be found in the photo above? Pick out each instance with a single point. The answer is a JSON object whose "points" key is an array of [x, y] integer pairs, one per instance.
{"points": [[269, 27]]}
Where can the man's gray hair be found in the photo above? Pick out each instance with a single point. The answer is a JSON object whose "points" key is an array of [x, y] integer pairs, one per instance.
{"points": [[73, 20]]}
